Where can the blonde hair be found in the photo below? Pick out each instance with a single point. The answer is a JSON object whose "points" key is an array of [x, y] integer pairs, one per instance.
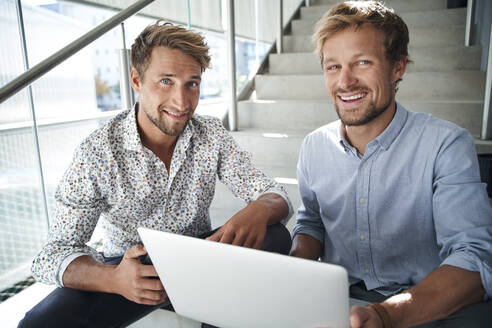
{"points": [[171, 36], [357, 13]]}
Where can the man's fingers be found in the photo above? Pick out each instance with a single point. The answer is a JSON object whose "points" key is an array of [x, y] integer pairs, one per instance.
{"points": [[250, 241], [216, 236], [355, 317], [239, 239], [151, 284], [227, 237], [153, 295], [135, 252], [152, 298], [260, 237], [258, 242], [147, 271]]}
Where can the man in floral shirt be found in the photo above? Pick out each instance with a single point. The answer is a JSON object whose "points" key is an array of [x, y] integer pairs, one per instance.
{"points": [[153, 166]]}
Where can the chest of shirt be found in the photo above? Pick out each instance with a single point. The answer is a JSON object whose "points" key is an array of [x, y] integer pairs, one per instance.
{"points": [[381, 183], [140, 179]]}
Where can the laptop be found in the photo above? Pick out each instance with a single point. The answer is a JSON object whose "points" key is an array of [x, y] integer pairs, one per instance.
{"points": [[229, 286]]}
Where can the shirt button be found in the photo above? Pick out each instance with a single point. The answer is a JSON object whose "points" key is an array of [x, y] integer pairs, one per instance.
{"points": [[364, 164], [366, 270], [362, 237], [361, 200]]}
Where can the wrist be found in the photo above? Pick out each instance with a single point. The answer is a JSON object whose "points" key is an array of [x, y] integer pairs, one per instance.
{"points": [[261, 207], [110, 280], [382, 313]]}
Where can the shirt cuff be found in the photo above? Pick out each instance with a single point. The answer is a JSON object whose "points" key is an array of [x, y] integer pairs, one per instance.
{"points": [[468, 262], [461, 260], [63, 266], [282, 194], [316, 234]]}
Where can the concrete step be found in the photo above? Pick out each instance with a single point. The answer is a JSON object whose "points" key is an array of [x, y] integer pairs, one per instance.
{"points": [[434, 59], [399, 6], [457, 85], [419, 37], [285, 114], [432, 18], [307, 115], [484, 147], [270, 147], [467, 114]]}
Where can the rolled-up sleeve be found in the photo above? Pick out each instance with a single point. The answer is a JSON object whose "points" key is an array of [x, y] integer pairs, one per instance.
{"points": [[78, 205], [308, 215], [236, 171], [461, 208]]}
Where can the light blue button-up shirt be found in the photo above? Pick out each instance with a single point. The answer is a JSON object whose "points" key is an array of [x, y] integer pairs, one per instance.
{"points": [[412, 202]]}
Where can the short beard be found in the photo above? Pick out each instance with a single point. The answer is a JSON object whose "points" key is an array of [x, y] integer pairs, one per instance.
{"points": [[160, 123], [371, 114]]}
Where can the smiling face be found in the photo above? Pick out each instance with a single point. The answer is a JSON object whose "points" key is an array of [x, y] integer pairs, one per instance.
{"points": [[358, 76], [170, 89]]}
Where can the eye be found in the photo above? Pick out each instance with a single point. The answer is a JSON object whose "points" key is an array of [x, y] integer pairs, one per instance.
{"points": [[193, 84], [332, 67], [364, 62], [165, 81]]}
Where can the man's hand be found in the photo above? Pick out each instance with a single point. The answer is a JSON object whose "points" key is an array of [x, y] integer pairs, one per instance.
{"points": [[364, 317], [246, 228], [138, 282]]}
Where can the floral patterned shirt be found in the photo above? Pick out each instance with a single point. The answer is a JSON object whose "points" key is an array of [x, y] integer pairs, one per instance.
{"points": [[114, 180]]}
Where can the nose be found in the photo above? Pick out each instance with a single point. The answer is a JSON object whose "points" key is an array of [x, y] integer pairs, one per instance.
{"points": [[346, 79], [180, 98]]}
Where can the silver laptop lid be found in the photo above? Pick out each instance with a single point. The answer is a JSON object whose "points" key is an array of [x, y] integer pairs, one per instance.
{"points": [[231, 286]]}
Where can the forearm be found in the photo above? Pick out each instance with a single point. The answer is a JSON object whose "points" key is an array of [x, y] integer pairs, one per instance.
{"points": [[306, 247], [85, 273], [273, 205], [441, 293]]}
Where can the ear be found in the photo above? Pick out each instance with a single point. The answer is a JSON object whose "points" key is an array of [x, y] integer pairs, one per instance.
{"points": [[399, 69], [135, 79]]}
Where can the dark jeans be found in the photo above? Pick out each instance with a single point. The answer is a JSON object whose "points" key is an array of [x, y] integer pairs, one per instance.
{"points": [[478, 315], [66, 307]]}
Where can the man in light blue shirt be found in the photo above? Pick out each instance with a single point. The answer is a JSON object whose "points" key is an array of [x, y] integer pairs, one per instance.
{"points": [[393, 196]]}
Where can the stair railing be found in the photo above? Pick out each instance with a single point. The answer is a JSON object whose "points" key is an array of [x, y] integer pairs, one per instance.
{"points": [[470, 40], [469, 22], [250, 85], [60, 56], [32, 74], [487, 103]]}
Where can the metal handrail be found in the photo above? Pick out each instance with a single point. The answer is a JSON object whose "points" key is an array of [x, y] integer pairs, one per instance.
{"points": [[469, 22], [57, 58], [249, 86], [280, 27], [487, 104], [22, 34], [231, 63]]}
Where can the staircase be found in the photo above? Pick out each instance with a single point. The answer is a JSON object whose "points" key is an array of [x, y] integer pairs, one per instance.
{"points": [[445, 80]]}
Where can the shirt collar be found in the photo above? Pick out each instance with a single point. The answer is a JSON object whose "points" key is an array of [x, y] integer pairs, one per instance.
{"points": [[129, 132], [386, 138], [341, 136], [392, 131]]}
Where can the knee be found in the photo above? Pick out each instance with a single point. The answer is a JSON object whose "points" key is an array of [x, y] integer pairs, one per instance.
{"points": [[40, 318], [32, 319], [63, 307], [277, 239]]}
